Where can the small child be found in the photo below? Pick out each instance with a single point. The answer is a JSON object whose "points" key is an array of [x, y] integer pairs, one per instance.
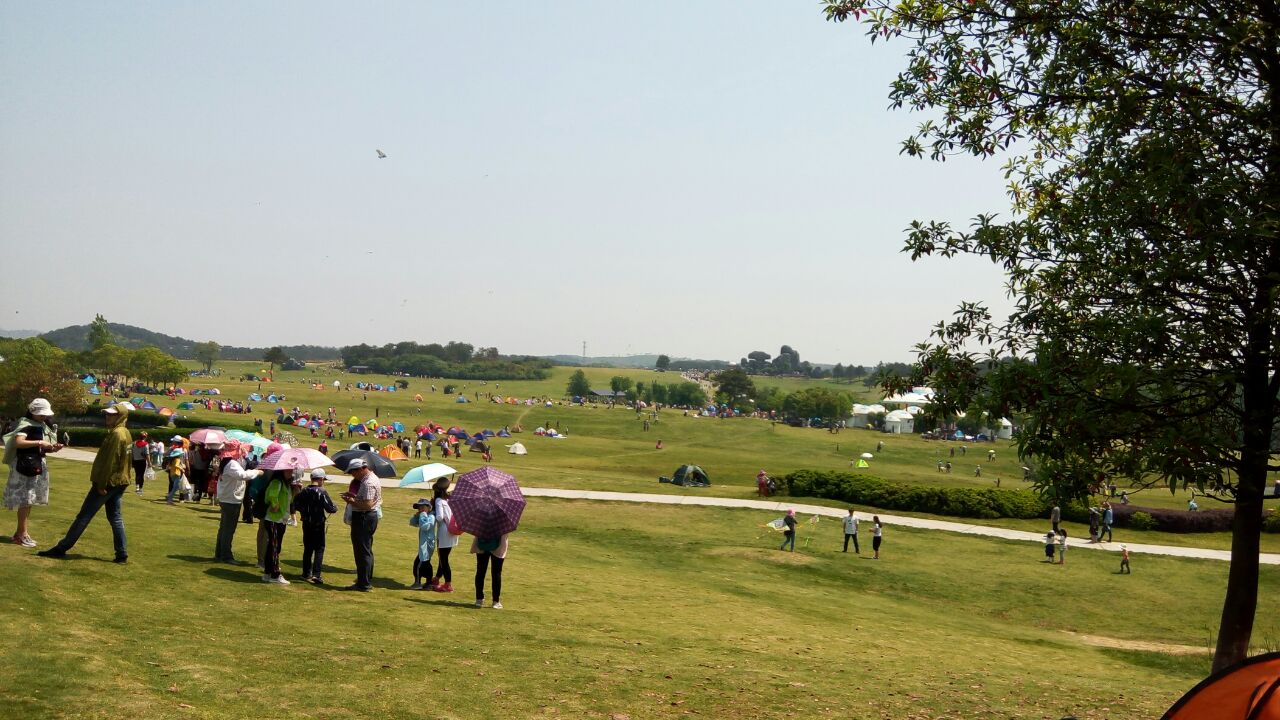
{"points": [[1050, 540], [1062, 546], [1124, 560], [314, 506], [424, 518], [175, 466]]}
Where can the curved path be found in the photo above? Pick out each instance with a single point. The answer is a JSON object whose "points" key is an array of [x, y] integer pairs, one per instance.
{"points": [[782, 506]]}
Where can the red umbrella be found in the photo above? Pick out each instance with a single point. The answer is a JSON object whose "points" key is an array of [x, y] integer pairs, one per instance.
{"points": [[487, 502]]}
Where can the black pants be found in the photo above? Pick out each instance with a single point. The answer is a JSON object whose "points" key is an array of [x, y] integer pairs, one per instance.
{"points": [[275, 540], [312, 549], [854, 537], [139, 472], [482, 565], [875, 543], [445, 571], [247, 516], [421, 569], [363, 526]]}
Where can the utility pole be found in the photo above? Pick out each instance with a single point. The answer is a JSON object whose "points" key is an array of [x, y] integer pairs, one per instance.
{"points": [[584, 351]]}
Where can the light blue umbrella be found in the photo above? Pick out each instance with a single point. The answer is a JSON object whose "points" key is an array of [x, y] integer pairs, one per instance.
{"points": [[426, 474]]}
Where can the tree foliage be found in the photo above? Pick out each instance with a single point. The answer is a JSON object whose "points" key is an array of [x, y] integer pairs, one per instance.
{"points": [[578, 386], [274, 356], [207, 354], [733, 386], [33, 368], [1142, 153], [99, 333], [818, 402], [663, 363]]}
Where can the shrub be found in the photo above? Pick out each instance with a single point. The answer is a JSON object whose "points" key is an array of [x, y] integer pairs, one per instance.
{"points": [[402, 384], [877, 492], [1176, 521], [1142, 521], [196, 423], [449, 389], [1271, 523]]}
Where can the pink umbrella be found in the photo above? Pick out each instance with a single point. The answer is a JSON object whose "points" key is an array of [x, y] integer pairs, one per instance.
{"points": [[208, 436], [294, 458]]}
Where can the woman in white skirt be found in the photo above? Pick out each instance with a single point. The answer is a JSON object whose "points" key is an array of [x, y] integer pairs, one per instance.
{"points": [[24, 451]]}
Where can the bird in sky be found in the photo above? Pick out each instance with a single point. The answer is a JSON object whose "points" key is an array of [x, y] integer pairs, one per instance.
{"points": [[381, 154]]}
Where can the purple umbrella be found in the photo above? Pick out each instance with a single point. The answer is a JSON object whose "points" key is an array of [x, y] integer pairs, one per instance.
{"points": [[487, 502]]}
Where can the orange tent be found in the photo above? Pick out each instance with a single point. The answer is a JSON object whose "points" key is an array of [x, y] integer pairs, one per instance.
{"points": [[1248, 691], [391, 452]]}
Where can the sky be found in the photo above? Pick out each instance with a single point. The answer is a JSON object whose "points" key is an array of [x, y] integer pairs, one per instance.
{"points": [[700, 179]]}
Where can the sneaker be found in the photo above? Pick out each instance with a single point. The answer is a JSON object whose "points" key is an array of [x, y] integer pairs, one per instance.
{"points": [[121, 560], [417, 585], [447, 587], [358, 588], [315, 580], [480, 602], [52, 553], [27, 541], [497, 606], [275, 580]]}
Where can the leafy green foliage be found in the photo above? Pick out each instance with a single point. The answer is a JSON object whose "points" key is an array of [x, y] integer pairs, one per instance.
{"points": [[99, 333], [820, 402], [274, 356], [33, 368], [733, 386], [1143, 170], [1143, 521], [959, 502], [206, 353], [578, 385], [454, 360], [663, 363]]}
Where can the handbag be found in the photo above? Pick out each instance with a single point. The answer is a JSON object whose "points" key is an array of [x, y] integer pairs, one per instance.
{"points": [[28, 462], [149, 475], [346, 514], [453, 527]]}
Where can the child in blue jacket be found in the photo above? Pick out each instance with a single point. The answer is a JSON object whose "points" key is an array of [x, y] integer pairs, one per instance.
{"points": [[424, 519]]}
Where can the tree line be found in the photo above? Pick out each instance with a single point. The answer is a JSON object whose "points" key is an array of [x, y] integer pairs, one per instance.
{"points": [[454, 359]]}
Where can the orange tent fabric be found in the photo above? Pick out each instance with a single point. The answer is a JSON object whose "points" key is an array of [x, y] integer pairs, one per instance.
{"points": [[391, 452], [1248, 691]]}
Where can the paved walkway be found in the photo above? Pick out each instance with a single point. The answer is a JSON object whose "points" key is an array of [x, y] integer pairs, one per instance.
{"points": [[800, 508]]}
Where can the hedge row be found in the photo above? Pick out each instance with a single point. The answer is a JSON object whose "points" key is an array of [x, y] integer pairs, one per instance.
{"points": [[187, 423], [997, 503], [959, 502]]}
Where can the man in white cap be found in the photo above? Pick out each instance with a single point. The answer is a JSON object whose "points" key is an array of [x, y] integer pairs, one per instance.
{"points": [[24, 452], [314, 506], [109, 477], [364, 495]]}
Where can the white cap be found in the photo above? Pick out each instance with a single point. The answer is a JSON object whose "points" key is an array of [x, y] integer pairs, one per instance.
{"points": [[40, 408], [357, 463], [318, 474]]}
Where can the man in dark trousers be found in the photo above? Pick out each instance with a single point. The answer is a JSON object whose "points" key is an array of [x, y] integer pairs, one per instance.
{"points": [[364, 495]]}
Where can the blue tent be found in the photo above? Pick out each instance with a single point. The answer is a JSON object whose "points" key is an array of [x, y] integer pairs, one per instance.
{"points": [[357, 429], [137, 400], [459, 432], [429, 437], [397, 426], [88, 380], [462, 399], [148, 405], [503, 433], [959, 435], [94, 391], [391, 388], [486, 433], [255, 397], [272, 398], [279, 411]]}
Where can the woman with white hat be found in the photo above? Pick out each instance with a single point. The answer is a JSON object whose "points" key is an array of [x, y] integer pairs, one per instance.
{"points": [[24, 451]]}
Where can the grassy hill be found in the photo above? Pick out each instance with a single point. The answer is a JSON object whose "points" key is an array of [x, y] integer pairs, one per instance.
{"points": [[75, 338]]}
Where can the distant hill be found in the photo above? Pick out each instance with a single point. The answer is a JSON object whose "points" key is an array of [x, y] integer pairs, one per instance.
{"points": [[634, 361], [76, 339], [19, 334]]}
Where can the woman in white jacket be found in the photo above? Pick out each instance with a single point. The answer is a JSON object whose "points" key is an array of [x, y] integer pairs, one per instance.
{"points": [[445, 540]]}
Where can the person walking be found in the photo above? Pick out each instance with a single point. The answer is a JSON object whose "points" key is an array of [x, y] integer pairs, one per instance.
{"points": [[141, 462], [877, 535], [424, 518], [489, 551], [1055, 517], [175, 468], [314, 506], [1107, 519], [1062, 546], [24, 452], [851, 532], [231, 493], [1124, 560], [108, 478], [789, 535], [445, 540], [364, 496]]}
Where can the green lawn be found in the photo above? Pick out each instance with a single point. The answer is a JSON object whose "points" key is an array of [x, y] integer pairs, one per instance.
{"points": [[645, 611], [608, 449]]}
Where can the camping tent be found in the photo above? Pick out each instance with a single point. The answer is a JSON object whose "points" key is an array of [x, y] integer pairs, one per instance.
{"points": [[255, 397], [462, 399], [899, 421], [1245, 691], [391, 452], [690, 476], [503, 433], [517, 449]]}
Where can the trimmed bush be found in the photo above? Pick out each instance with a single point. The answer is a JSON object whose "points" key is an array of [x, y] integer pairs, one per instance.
{"points": [[1142, 521], [959, 502], [1176, 521], [1271, 523], [187, 423]]}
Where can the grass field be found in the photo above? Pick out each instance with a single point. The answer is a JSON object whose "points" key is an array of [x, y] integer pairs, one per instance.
{"points": [[609, 449], [612, 610]]}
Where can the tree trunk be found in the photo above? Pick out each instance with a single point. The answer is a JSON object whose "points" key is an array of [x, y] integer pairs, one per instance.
{"points": [[1241, 602]]}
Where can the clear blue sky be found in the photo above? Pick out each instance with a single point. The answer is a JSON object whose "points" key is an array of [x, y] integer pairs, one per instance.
{"points": [[693, 178]]}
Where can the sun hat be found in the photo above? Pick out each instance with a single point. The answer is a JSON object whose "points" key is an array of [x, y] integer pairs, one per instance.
{"points": [[318, 474], [40, 408], [792, 513], [422, 502], [357, 463], [175, 439], [232, 449], [117, 407]]}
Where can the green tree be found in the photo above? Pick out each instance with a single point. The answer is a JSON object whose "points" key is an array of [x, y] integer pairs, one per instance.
{"points": [[99, 333], [274, 356], [108, 359], [663, 363], [1142, 246], [734, 385], [207, 354], [578, 384], [32, 368], [155, 366], [620, 383]]}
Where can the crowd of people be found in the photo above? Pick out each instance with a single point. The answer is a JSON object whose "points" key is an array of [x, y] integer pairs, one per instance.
{"points": [[226, 472]]}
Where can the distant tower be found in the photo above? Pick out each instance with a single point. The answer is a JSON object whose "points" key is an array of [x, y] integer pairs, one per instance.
{"points": [[584, 350]]}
